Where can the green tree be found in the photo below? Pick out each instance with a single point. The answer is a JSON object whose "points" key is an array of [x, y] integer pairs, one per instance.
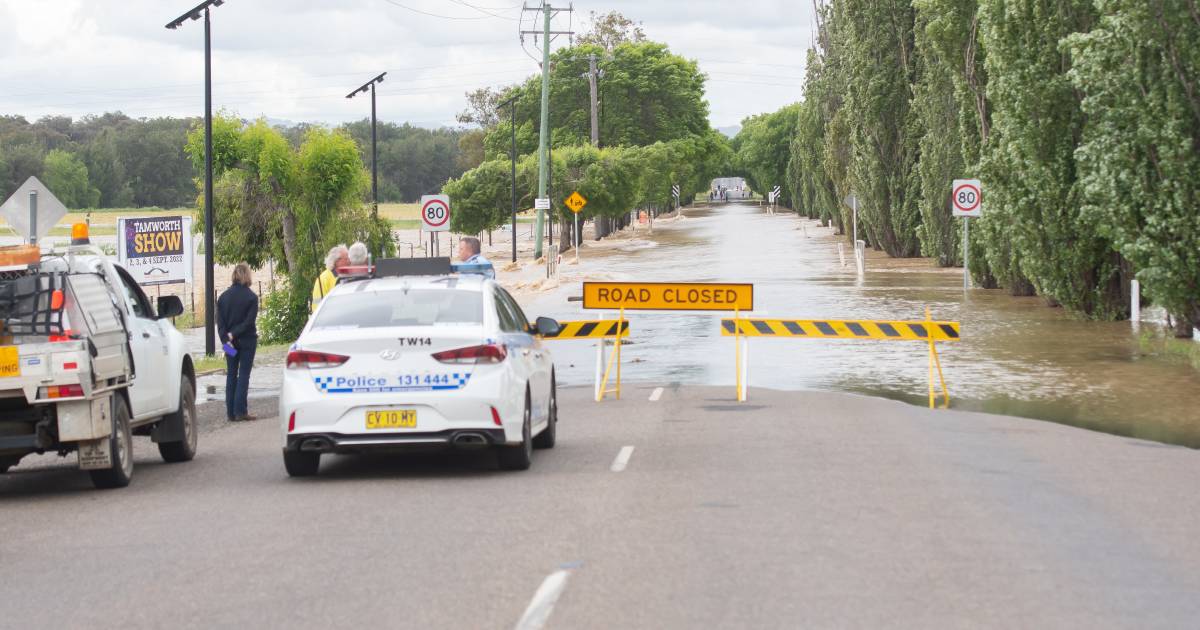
{"points": [[1029, 166], [482, 197], [1140, 153], [67, 177], [881, 58], [764, 150]]}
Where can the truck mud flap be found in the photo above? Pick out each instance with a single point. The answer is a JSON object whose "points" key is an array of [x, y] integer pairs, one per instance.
{"points": [[95, 454]]}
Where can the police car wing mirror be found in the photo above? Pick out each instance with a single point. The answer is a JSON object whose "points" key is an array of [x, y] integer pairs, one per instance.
{"points": [[546, 327], [169, 306]]}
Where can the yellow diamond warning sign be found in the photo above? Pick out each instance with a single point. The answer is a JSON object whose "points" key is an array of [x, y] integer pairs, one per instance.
{"points": [[575, 202], [688, 296]]}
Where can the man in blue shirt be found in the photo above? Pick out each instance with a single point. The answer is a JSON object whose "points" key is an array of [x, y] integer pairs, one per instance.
{"points": [[469, 249]]}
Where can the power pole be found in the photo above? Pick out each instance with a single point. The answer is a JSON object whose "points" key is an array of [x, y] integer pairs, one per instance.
{"points": [[548, 13], [595, 100], [595, 130]]}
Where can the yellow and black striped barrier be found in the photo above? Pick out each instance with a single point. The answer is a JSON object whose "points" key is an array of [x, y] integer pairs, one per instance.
{"points": [[927, 331], [841, 329], [604, 329]]}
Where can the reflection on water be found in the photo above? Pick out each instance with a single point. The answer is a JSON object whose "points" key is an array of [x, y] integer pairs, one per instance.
{"points": [[1017, 357]]}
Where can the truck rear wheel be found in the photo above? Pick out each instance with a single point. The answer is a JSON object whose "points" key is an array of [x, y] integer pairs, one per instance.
{"points": [[183, 450], [120, 444]]}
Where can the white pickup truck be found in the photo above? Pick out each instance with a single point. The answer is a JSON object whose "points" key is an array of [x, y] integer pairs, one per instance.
{"points": [[86, 363]]}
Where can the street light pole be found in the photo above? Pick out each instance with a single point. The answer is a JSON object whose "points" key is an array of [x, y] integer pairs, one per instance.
{"points": [[210, 345], [374, 150], [512, 110]]}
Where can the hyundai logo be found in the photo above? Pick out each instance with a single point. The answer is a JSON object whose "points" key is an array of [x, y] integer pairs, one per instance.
{"points": [[389, 355]]}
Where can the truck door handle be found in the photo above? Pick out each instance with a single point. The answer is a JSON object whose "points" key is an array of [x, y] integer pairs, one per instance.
{"points": [[145, 335]]}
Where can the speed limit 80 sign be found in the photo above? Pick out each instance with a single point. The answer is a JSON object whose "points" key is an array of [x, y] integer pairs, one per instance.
{"points": [[435, 213], [966, 198]]}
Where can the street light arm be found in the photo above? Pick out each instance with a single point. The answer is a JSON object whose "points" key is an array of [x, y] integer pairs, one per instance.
{"points": [[194, 14], [362, 89]]}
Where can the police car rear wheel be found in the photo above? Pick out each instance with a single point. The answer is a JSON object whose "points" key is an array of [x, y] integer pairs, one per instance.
{"points": [[301, 464]]}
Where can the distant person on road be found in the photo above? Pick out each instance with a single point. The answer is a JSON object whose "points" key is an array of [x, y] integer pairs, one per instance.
{"points": [[237, 310], [469, 249], [338, 256]]}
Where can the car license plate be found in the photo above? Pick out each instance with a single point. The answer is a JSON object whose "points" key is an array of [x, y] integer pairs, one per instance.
{"points": [[10, 361], [392, 419]]}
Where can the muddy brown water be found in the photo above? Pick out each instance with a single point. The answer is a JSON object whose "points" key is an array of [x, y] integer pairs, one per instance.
{"points": [[1017, 356]]}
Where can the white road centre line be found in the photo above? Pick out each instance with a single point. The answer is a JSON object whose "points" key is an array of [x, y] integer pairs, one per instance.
{"points": [[622, 459], [656, 394], [542, 604]]}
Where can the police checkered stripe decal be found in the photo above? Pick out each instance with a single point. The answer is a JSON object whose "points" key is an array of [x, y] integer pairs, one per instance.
{"points": [[329, 385], [842, 329]]}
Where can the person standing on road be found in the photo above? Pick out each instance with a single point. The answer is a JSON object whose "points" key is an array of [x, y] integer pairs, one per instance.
{"points": [[237, 310], [338, 256], [469, 249]]}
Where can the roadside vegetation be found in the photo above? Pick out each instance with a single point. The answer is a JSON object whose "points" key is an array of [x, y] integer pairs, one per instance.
{"points": [[1081, 117], [112, 161], [653, 133]]}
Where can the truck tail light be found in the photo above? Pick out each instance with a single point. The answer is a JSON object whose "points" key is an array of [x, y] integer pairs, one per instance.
{"points": [[67, 335], [62, 391], [487, 353], [297, 359]]}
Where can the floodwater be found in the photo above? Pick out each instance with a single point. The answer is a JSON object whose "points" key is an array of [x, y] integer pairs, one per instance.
{"points": [[1017, 356]]}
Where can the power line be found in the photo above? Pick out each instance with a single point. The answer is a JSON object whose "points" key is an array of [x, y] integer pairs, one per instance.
{"points": [[444, 17], [484, 11], [176, 86]]}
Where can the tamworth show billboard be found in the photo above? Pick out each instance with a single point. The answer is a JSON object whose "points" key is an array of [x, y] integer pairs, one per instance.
{"points": [[156, 250]]}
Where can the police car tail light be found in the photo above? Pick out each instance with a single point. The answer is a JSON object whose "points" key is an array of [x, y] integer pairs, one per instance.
{"points": [[487, 353], [297, 359]]}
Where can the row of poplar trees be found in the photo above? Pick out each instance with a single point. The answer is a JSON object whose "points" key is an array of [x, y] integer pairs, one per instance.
{"points": [[1081, 117]]}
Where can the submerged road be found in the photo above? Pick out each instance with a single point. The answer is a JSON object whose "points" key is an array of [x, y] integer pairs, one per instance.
{"points": [[672, 508]]}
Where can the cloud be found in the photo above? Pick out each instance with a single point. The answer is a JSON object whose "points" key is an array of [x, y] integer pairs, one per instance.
{"points": [[297, 59]]}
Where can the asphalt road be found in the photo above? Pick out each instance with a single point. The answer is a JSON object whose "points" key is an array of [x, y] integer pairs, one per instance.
{"points": [[793, 510]]}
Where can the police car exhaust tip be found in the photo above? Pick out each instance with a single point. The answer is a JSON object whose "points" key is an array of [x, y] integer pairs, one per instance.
{"points": [[316, 445], [470, 440]]}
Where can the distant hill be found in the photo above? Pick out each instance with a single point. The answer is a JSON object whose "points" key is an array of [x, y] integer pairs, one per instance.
{"points": [[731, 130]]}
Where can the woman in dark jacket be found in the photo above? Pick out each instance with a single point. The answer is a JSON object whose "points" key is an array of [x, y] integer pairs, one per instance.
{"points": [[237, 308]]}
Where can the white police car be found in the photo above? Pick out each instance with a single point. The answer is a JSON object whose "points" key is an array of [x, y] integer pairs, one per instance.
{"points": [[402, 362]]}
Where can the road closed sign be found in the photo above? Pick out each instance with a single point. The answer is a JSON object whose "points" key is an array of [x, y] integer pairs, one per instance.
{"points": [[435, 213], [156, 250], [967, 198], [668, 296]]}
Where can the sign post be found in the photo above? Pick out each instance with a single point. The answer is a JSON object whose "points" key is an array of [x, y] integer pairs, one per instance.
{"points": [[966, 197], [435, 217], [860, 253], [576, 202]]}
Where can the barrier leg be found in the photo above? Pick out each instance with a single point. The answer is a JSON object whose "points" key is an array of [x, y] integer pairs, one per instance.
{"points": [[599, 366], [608, 370], [620, 320], [931, 394], [931, 351], [938, 362], [745, 368], [737, 353]]}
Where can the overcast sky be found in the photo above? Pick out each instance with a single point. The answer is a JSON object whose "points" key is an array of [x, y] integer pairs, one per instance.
{"points": [[297, 59]]}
